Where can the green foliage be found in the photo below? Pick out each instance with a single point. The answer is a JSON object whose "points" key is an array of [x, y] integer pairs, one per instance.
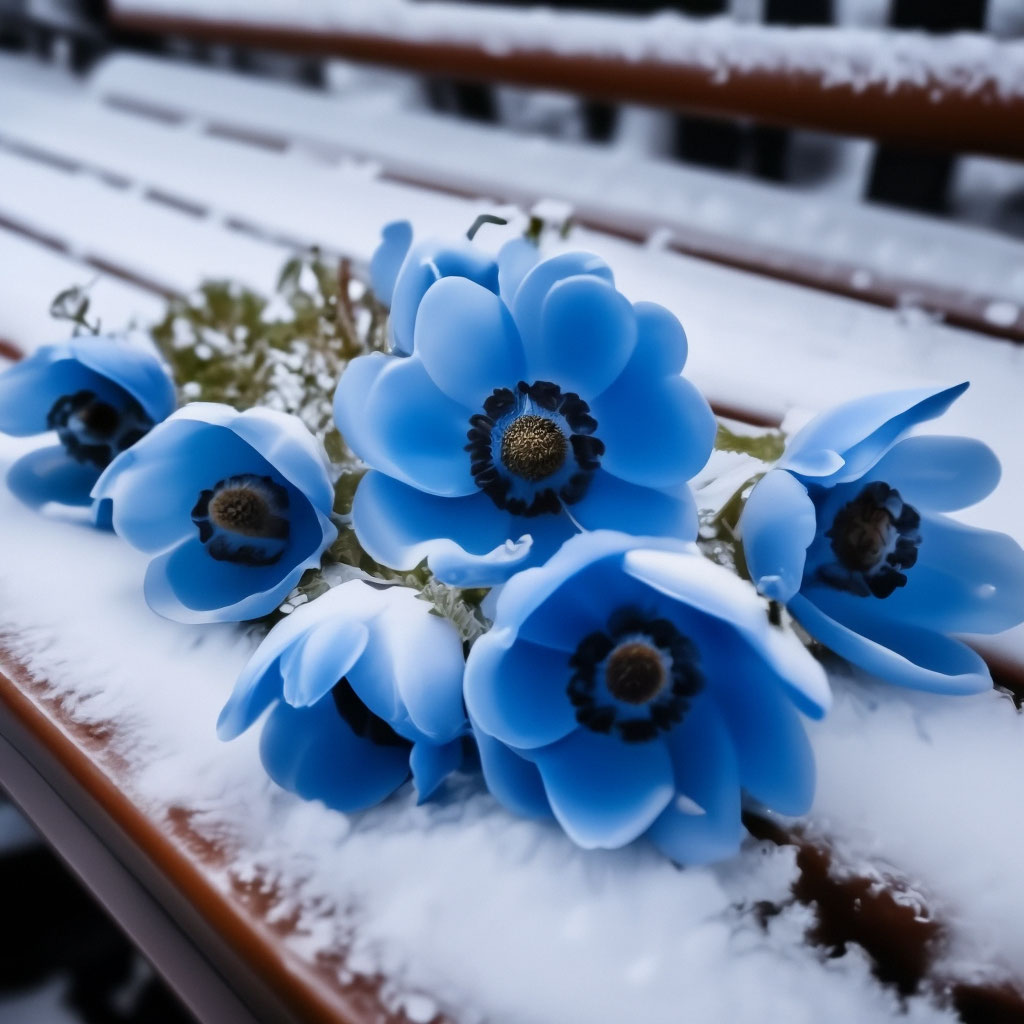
{"points": [[72, 305], [767, 446]]}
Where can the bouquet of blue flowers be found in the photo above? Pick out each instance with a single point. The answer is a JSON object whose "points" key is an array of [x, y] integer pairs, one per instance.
{"points": [[487, 554]]}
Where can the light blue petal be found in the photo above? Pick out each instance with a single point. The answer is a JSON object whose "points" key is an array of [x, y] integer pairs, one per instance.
{"points": [[941, 474], [431, 764], [187, 585], [533, 291], [514, 781], [587, 334], [312, 752], [860, 432], [901, 654], [350, 409], [661, 345], [257, 688], [468, 343], [604, 792], [522, 604], [426, 263], [777, 526], [427, 664], [966, 580], [466, 540], [396, 239], [657, 432], [776, 763], [547, 533], [707, 588], [132, 366], [420, 430], [516, 691], [29, 389], [287, 445], [706, 775], [50, 474], [316, 661], [614, 504], [516, 259]]}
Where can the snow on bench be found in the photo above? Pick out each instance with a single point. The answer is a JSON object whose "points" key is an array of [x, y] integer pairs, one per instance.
{"points": [[459, 907], [977, 277]]}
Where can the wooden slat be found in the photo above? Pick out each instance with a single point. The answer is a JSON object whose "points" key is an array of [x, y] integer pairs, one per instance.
{"points": [[909, 105]]}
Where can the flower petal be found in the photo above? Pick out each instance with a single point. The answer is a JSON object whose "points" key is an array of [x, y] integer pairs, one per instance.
{"points": [[614, 504], [942, 474], [657, 432], [587, 334], [426, 263], [777, 526], [708, 588], [776, 763], [396, 239], [466, 540], [533, 291], [516, 690], [187, 585], [50, 474], [419, 430], [604, 792], [135, 367], [468, 342], [425, 663], [966, 580], [514, 781], [431, 764], [29, 388], [860, 432], [516, 258], [707, 774], [661, 345], [350, 415], [897, 652], [316, 661], [312, 752]]}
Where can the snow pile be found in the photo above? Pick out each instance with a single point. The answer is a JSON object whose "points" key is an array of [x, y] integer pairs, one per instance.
{"points": [[467, 909], [855, 59]]}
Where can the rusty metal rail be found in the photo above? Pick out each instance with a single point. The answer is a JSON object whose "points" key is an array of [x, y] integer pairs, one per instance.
{"points": [[892, 93]]}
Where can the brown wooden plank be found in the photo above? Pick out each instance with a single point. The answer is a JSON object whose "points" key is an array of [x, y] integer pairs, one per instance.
{"points": [[911, 108]]}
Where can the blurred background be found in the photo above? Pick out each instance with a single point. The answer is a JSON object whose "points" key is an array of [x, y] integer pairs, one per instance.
{"points": [[87, 59]]}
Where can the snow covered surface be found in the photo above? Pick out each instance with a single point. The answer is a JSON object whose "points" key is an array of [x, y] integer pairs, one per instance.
{"points": [[467, 909], [857, 59]]}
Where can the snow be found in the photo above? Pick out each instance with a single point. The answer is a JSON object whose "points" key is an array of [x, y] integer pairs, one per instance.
{"points": [[464, 907], [857, 59]]}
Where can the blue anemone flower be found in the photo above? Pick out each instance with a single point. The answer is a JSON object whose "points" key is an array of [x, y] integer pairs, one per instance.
{"points": [[401, 273], [100, 395], [848, 531], [365, 685], [513, 424], [235, 507], [632, 687]]}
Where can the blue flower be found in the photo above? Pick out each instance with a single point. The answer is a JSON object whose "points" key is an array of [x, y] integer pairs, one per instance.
{"points": [[515, 423], [100, 395], [634, 688], [401, 273], [235, 507], [365, 684], [848, 532]]}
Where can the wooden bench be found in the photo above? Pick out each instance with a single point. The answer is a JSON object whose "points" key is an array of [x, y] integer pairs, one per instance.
{"points": [[153, 176]]}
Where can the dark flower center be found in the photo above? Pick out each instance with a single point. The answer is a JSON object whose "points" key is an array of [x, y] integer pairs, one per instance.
{"points": [[241, 510], [634, 673], [533, 447], [873, 538], [244, 519], [532, 450], [635, 678], [94, 430], [362, 721]]}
